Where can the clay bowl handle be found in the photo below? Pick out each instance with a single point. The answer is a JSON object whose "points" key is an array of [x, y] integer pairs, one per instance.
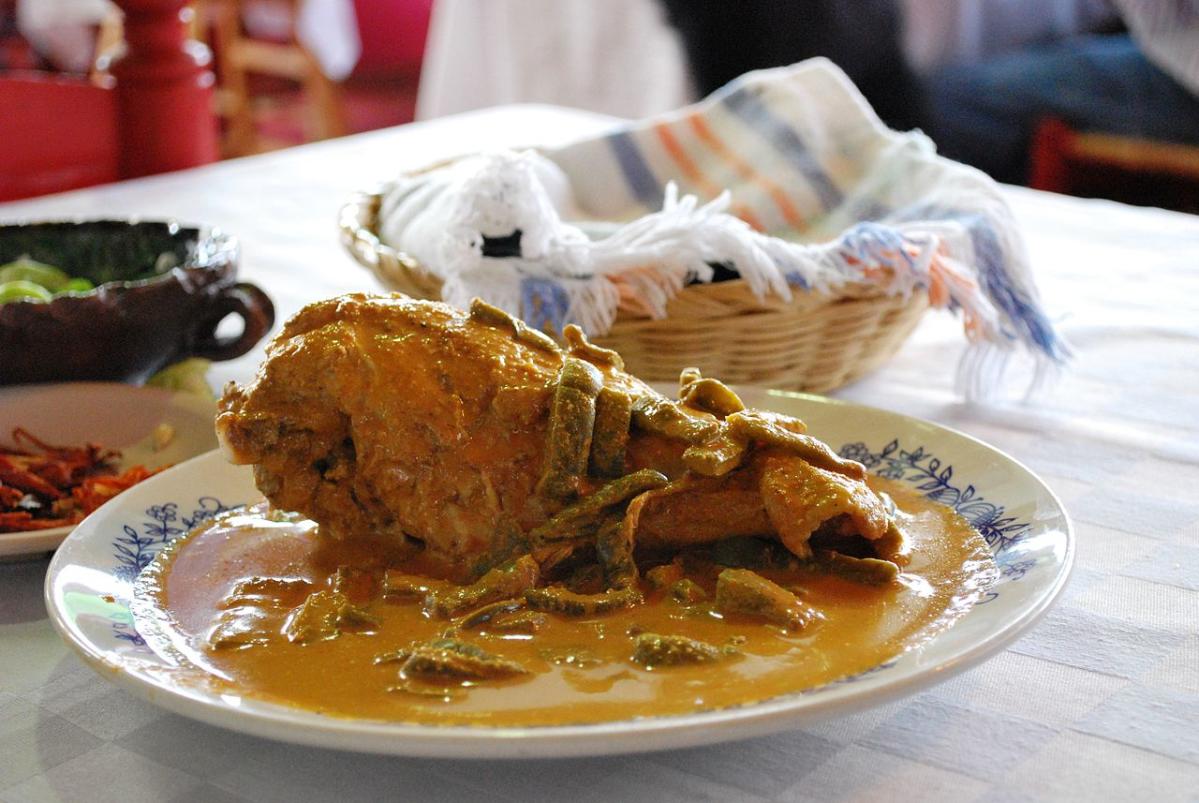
{"points": [[247, 302]]}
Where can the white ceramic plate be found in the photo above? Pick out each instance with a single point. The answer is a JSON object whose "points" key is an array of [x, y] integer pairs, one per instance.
{"points": [[89, 584], [113, 415]]}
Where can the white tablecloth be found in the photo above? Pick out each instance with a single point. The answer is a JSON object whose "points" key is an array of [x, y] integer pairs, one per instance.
{"points": [[1099, 702]]}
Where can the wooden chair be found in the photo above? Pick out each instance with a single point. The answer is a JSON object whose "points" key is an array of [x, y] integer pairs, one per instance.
{"points": [[1124, 168], [240, 57], [258, 78], [110, 46]]}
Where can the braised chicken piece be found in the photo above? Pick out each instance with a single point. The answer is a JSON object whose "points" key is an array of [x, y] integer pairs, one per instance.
{"points": [[469, 440]]}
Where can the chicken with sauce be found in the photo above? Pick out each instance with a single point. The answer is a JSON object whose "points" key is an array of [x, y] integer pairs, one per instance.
{"points": [[469, 443]]}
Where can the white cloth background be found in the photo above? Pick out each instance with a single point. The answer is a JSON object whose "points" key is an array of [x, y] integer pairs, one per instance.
{"points": [[618, 57], [327, 28], [34, 16], [62, 29]]}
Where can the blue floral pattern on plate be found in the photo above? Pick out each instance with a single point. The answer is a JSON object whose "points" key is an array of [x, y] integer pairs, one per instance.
{"points": [[136, 547], [932, 476], [134, 550]]}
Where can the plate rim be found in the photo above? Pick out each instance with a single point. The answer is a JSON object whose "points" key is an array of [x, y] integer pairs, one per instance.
{"points": [[277, 721], [36, 542]]}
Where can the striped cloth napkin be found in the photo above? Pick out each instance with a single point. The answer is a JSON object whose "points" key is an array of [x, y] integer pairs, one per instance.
{"points": [[784, 176]]}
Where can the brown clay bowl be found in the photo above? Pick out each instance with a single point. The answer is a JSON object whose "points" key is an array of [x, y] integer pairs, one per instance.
{"points": [[161, 290]]}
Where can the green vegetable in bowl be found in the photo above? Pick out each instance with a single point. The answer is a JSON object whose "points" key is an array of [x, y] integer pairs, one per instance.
{"points": [[21, 290], [187, 376], [26, 279], [78, 285], [30, 270]]}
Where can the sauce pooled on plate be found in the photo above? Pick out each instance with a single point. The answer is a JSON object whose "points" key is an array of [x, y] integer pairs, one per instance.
{"points": [[226, 599]]}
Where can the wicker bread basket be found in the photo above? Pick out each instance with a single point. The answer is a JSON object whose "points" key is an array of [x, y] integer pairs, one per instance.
{"points": [[813, 343]]}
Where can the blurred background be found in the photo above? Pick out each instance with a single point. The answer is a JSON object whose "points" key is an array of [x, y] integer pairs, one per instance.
{"points": [[1088, 97]]}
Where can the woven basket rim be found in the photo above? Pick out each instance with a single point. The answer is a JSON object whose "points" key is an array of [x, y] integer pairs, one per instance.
{"points": [[366, 202]]}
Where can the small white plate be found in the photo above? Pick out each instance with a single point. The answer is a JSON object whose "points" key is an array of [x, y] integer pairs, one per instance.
{"points": [[116, 416], [88, 589]]}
